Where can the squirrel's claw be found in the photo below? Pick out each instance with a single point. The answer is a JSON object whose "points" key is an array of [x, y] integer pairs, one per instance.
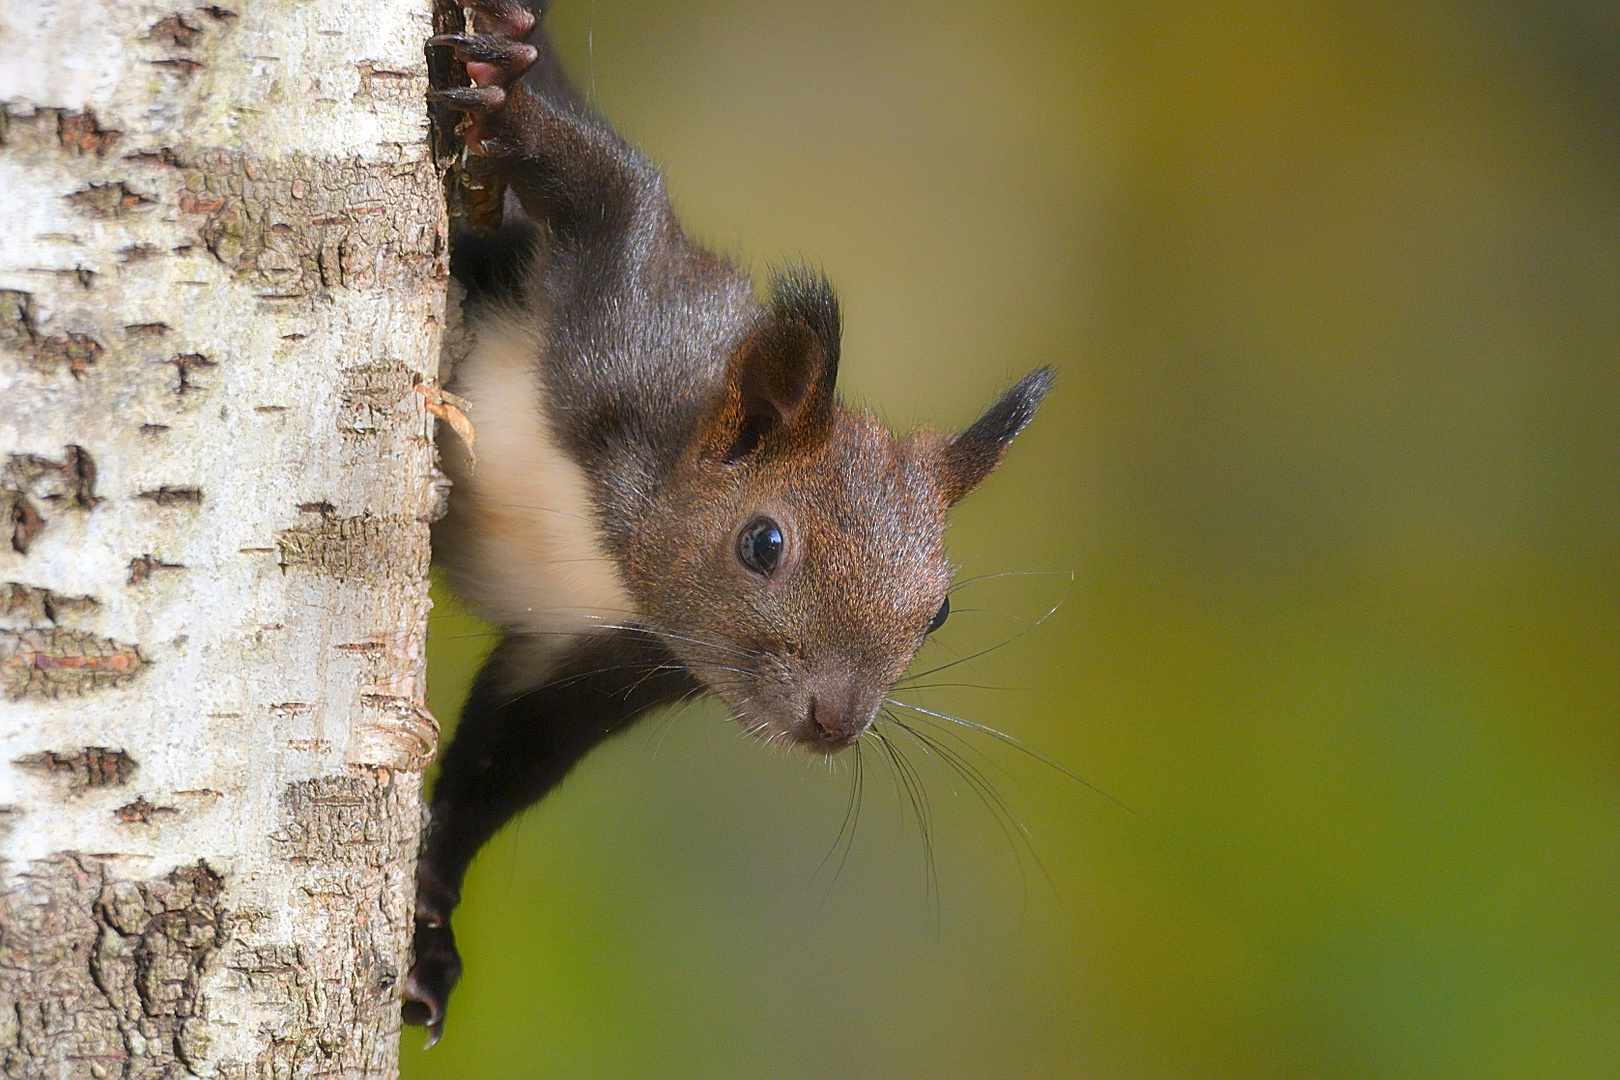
{"points": [[427, 986], [491, 60], [473, 100]]}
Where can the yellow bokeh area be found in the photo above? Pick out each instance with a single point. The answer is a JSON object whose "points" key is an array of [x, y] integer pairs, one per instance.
{"points": [[1325, 509]]}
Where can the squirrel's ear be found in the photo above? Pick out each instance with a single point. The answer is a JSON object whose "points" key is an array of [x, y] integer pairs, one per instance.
{"points": [[783, 374], [974, 454]]}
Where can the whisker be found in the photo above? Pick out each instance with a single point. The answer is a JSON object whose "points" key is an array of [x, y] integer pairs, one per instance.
{"points": [[577, 676], [1018, 744], [979, 578], [983, 652], [686, 701], [1001, 812], [852, 818], [967, 685], [906, 778], [649, 628]]}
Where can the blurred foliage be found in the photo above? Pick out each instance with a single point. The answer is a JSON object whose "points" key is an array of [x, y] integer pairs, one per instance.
{"points": [[1334, 462]]}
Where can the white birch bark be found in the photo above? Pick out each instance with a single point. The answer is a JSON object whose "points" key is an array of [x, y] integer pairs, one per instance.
{"points": [[222, 278]]}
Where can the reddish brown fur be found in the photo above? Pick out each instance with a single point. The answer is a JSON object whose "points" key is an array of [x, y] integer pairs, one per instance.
{"points": [[863, 573]]}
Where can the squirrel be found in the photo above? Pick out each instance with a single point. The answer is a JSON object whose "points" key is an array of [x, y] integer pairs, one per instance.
{"points": [[669, 497]]}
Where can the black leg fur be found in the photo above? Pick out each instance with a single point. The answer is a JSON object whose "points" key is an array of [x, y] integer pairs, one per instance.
{"points": [[511, 747], [496, 266]]}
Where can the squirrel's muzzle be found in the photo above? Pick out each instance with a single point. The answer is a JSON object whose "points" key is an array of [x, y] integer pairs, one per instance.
{"points": [[839, 713]]}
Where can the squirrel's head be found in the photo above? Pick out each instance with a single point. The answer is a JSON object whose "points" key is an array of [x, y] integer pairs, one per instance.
{"points": [[799, 562]]}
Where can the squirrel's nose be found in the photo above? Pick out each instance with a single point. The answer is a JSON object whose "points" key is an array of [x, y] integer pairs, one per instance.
{"points": [[839, 714]]}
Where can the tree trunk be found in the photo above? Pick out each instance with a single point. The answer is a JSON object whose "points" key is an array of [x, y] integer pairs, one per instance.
{"points": [[222, 284]]}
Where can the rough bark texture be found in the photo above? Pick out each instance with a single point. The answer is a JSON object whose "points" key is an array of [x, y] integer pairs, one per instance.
{"points": [[222, 281]]}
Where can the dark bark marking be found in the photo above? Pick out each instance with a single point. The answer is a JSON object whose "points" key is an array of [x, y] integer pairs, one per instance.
{"points": [[184, 67], [134, 253], [18, 516], [79, 133], [142, 567], [33, 606], [19, 330], [141, 812], [174, 29], [28, 479], [91, 767], [172, 496], [75, 133], [185, 366], [163, 156], [114, 200]]}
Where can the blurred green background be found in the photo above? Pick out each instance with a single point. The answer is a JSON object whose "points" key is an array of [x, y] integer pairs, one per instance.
{"points": [[1334, 460]]}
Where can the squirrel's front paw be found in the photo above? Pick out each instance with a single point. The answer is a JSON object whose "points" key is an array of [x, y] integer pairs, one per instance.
{"points": [[496, 56], [431, 978]]}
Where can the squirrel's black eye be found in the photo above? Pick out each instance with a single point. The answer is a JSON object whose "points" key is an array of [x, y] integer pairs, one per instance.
{"points": [[760, 546], [940, 616]]}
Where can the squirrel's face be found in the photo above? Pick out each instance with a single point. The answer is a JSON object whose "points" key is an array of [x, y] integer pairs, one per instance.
{"points": [[798, 587], [796, 562]]}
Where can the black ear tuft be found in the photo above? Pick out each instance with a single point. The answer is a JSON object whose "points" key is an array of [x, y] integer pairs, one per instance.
{"points": [[805, 295], [975, 453], [787, 368]]}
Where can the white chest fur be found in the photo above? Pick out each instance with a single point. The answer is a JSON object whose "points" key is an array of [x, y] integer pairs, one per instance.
{"points": [[522, 542]]}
